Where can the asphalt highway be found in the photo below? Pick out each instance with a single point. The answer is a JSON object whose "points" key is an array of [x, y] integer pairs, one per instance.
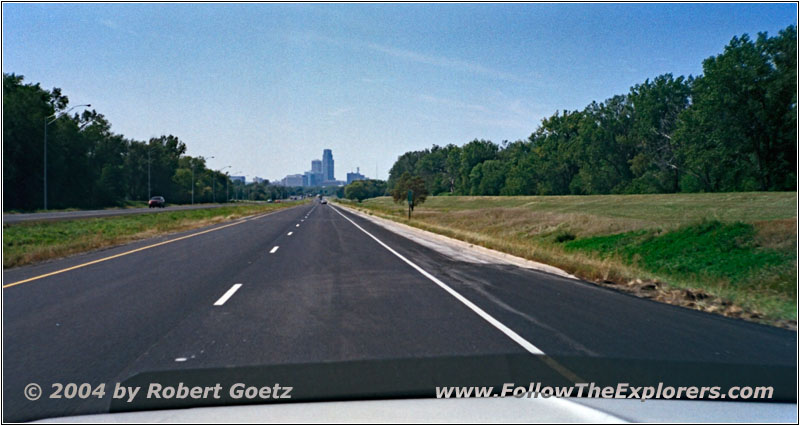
{"points": [[317, 284], [83, 214]]}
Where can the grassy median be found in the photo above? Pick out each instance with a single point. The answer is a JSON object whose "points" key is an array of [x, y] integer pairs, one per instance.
{"points": [[730, 253], [30, 242]]}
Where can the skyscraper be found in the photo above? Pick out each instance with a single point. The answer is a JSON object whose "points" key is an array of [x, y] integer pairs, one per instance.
{"points": [[352, 177], [327, 165], [316, 166]]}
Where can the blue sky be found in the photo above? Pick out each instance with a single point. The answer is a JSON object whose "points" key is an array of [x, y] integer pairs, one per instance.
{"points": [[266, 87]]}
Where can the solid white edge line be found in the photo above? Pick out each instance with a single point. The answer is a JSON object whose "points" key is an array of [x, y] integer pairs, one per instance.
{"points": [[227, 295], [274, 249], [530, 347]]}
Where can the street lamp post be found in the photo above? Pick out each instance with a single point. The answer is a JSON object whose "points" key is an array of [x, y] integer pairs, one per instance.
{"points": [[192, 181], [149, 154], [46, 123], [214, 185], [193, 164], [235, 190], [149, 149], [226, 182]]}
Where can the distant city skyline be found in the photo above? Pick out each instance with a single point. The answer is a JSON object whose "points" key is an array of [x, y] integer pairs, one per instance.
{"points": [[322, 173], [267, 87]]}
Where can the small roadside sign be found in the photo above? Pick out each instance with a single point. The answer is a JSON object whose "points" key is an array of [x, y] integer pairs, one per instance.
{"points": [[410, 202]]}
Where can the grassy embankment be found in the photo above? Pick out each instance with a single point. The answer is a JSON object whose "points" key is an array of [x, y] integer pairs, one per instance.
{"points": [[730, 253], [30, 242]]}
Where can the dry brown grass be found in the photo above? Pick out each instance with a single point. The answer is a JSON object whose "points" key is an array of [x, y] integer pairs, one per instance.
{"points": [[778, 234], [521, 222]]}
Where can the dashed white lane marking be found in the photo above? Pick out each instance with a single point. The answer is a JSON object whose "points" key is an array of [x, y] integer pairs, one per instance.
{"points": [[290, 233], [227, 295], [274, 249], [530, 347], [181, 359], [297, 226]]}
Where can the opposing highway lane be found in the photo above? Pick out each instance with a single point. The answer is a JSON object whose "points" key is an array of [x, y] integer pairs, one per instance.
{"points": [[83, 214], [318, 284]]}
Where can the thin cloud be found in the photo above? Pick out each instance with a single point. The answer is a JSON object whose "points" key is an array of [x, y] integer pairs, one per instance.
{"points": [[451, 103], [109, 24], [375, 80], [441, 61], [339, 111], [412, 56], [501, 112], [114, 26]]}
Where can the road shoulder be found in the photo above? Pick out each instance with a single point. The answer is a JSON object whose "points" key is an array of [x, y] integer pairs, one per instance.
{"points": [[457, 249]]}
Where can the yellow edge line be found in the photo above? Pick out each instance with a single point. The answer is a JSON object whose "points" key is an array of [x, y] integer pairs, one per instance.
{"points": [[60, 271]]}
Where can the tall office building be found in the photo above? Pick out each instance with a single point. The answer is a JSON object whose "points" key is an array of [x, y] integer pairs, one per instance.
{"points": [[316, 166], [352, 177], [327, 165], [292, 180]]}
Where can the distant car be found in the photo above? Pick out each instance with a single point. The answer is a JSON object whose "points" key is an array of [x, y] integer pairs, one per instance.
{"points": [[324, 201], [157, 202]]}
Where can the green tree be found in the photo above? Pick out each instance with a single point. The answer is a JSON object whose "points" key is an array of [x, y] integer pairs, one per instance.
{"points": [[740, 131], [363, 189], [657, 104], [493, 177], [556, 148], [408, 182], [604, 147], [25, 107], [472, 154], [356, 191]]}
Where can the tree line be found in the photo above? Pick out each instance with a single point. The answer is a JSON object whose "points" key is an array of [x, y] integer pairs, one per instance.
{"points": [[733, 128], [363, 189], [89, 166]]}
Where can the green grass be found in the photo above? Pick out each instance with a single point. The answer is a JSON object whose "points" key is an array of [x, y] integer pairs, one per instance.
{"points": [[30, 242], [736, 246], [713, 249], [722, 258]]}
